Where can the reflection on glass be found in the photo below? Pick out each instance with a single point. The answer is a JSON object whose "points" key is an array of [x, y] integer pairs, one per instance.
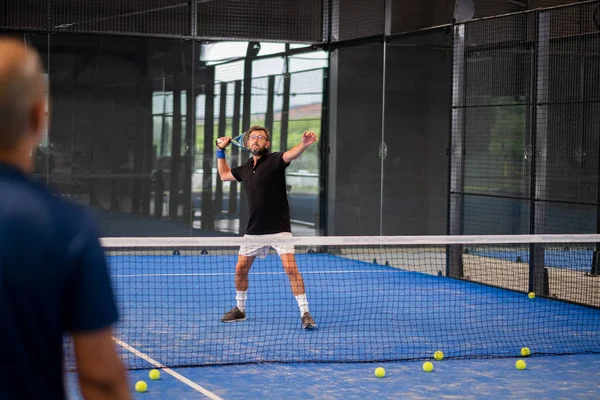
{"points": [[296, 106], [219, 52], [307, 61], [118, 141], [298, 45], [268, 66]]}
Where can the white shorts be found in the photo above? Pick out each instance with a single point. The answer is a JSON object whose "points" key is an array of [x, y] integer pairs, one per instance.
{"points": [[262, 251]]}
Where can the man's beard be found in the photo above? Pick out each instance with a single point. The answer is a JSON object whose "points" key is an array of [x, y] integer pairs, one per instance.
{"points": [[257, 151]]}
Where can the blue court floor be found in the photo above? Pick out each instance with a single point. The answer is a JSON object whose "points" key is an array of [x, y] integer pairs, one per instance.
{"points": [[367, 314], [171, 308], [547, 377]]}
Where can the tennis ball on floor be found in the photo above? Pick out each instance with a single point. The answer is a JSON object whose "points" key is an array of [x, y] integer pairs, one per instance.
{"points": [[438, 355], [141, 386], [379, 372], [520, 364], [427, 366], [154, 374], [525, 351], [531, 295]]}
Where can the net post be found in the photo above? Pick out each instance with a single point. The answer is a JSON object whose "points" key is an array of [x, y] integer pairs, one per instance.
{"points": [[538, 282], [594, 268], [456, 155], [538, 274], [454, 262]]}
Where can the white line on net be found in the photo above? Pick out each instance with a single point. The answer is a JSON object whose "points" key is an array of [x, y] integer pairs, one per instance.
{"points": [[437, 240]]}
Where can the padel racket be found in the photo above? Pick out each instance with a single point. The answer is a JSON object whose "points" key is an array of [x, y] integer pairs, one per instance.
{"points": [[238, 141]]}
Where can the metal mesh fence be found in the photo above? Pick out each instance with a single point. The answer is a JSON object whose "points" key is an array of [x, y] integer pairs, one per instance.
{"points": [[488, 8], [526, 123], [23, 14], [352, 19], [492, 78], [525, 141], [299, 21], [409, 15], [158, 17], [414, 167], [568, 83]]}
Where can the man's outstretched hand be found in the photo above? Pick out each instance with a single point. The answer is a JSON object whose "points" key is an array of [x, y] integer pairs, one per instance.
{"points": [[308, 138]]}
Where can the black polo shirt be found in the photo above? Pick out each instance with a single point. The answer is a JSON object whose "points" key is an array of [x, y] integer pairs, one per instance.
{"points": [[267, 197], [53, 280]]}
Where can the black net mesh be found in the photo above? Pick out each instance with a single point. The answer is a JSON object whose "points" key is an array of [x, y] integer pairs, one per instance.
{"points": [[303, 21], [499, 32], [352, 19], [548, 3], [418, 14], [299, 21], [23, 14], [159, 17], [488, 8], [495, 299]]}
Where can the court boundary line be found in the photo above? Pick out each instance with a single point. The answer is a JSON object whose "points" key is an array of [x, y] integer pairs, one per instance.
{"points": [[167, 370]]}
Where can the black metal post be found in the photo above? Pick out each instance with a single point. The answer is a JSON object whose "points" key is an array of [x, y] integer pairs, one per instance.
{"points": [[235, 129], [251, 52], [537, 281], [222, 130], [324, 154], [190, 137], [456, 149], [285, 113], [269, 117], [208, 215], [175, 170]]}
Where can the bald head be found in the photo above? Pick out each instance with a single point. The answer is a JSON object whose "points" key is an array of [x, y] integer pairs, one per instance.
{"points": [[22, 96]]}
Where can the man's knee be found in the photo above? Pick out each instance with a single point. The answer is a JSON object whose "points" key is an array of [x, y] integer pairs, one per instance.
{"points": [[291, 268], [244, 263]]}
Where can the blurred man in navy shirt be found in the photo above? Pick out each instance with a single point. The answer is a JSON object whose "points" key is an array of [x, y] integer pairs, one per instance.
{"points": [[53, 273]]}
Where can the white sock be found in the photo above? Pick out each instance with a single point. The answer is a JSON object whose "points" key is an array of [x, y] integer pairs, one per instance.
{"points": [[240, 297], [302, 303]]}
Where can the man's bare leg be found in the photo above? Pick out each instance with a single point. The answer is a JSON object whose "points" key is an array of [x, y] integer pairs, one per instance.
{"points": [[242, 268], [291, 268], [297, 284]]}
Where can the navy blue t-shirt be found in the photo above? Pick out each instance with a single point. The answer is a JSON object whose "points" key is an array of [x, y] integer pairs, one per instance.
{"points": [[53, 280]]}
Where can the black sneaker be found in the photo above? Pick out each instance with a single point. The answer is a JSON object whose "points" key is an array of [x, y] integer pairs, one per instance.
{"points": [[234, 315], [307, 321]]}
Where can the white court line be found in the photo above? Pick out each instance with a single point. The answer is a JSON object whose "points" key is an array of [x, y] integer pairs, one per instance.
{"points": [[169, 371], [258, 273]]}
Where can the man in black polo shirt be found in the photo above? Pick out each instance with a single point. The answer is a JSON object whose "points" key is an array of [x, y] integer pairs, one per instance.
{"points": [[53, 275], [264, 178]]}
